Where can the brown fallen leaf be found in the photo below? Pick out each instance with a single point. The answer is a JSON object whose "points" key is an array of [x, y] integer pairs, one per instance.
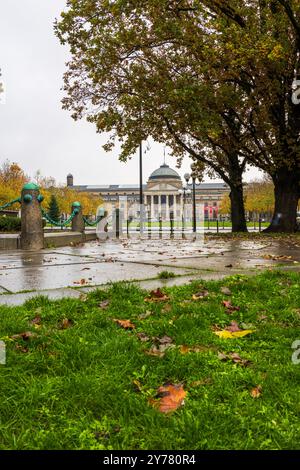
{"points": [[233, 327], [170, 398], [65, 324], [82, 282], [143, 337], [256, 391], [26, 335], [201, 295], [235, 357], [160, 346], [156, 296], [36, 321], [21, 348], [229, 307], [126, 324], [104, 304]]}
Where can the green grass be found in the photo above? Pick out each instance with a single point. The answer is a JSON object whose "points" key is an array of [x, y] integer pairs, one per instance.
{"points": [[166, 275], [74, 387]]}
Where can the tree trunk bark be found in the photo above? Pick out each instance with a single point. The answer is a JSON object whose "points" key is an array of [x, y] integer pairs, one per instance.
{"points": [[287, 192], [238, 218]]}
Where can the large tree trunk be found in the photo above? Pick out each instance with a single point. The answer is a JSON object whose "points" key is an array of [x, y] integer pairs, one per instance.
{"points": [[238, 209], [286, 190]]}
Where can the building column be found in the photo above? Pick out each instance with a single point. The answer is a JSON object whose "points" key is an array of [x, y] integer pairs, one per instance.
{"points": [[167, 207], [152, 207]]}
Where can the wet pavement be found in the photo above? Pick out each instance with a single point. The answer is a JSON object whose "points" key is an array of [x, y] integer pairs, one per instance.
{"points": [[98, 263]]}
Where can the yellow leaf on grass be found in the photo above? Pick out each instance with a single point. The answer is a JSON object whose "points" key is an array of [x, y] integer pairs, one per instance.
{"points": [[234, 334]]}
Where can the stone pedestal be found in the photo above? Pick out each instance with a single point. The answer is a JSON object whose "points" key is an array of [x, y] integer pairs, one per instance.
{"points": [[32, 232], [77, 222]]}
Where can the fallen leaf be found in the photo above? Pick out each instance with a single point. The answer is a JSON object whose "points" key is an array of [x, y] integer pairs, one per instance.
{"points": [[235, 357], [196, 349], [201, 295], [21, 348], [156, 296], [82, 282], [226, 291], [236, 334], [104, 304], [229, 266], [126, 324], [229, 307], [143, 337], [170, 398], [26, 335], [233, 327], [36, 321], [66, 323], [256, 392], [137, 386]]}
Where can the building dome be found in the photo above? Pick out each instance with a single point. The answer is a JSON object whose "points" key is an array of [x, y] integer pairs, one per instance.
{"points": [[164, 172]]}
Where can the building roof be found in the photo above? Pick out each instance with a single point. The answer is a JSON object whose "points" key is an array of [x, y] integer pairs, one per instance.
{"points": [[164, 172]]}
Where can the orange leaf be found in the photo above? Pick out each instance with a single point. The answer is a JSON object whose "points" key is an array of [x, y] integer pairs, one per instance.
{"points": [[171, 397], [256, 392], [126, 324]]}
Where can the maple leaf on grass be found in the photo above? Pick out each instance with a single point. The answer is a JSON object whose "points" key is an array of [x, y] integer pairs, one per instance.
{"points": [[156, 296], [229, 307], [169, 398], [256, 391], [126, 324]]}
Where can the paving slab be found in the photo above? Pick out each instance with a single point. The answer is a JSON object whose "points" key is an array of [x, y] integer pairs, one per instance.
{"points": [[53, 277], [56, 294]]}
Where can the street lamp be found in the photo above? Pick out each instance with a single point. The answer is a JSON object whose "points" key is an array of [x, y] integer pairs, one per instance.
{"points": [[187, 177], [184, 191]]}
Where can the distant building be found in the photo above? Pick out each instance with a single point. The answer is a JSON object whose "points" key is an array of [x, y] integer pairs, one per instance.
{"points": [[162, 195]]}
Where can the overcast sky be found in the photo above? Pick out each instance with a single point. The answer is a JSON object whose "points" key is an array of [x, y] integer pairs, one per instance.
{"points": [[34, 131]]}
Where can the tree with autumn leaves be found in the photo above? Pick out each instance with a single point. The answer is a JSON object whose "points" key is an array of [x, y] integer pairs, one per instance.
{"points": [[212, 79], [13, 178]]}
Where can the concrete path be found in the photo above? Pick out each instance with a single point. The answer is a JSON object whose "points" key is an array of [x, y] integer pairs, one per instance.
{"points": [[57, 272]]}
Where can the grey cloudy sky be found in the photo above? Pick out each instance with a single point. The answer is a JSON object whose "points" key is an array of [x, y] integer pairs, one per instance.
{"points": [[34, 130]]}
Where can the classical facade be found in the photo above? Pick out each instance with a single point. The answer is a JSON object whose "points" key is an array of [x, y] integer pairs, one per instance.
{"points": [[165, 195]]}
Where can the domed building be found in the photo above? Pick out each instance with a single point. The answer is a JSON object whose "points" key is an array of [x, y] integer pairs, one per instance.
{"points": [[163, 195]]}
